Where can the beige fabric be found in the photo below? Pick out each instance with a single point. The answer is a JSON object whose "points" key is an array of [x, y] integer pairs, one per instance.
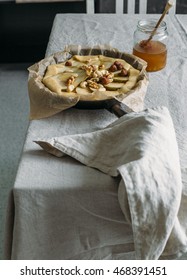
{"points": [[45, 103], [142, 148], [58, 209], [62, 209]]}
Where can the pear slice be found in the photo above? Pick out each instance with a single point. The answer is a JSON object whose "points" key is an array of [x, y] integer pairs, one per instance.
{"points": [[108, 61], [120, 79], [55, 84], [116, 73], [114, 86], [63, 77], [86, 58], [133, 74], [83, 91], [75, 63], [82, 76], [54, 70]]}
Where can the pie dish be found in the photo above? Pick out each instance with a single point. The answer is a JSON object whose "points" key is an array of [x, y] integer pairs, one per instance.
{"points": [[66, 79]]}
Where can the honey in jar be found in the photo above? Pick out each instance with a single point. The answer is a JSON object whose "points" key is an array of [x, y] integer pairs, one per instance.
{"points": [[153, 52]]}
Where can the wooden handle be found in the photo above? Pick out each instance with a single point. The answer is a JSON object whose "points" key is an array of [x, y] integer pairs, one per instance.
{"points": [[116, 107], [167, 7]]}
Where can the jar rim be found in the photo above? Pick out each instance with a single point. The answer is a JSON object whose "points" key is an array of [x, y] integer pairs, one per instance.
{"points": [[147, 25]]}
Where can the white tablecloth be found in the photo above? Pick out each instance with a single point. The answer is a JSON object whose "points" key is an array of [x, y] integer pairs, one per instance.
{"points": [[182, 19], [61, 209]]}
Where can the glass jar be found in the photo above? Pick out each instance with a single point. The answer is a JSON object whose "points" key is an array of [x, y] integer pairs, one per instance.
{"points": [[153, 52]]}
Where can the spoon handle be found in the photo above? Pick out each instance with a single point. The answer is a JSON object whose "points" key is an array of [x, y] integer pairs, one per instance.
{"points": [[167, 7]]}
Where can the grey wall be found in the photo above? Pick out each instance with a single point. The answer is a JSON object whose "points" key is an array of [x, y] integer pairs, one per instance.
{"points": [[25, 28]]}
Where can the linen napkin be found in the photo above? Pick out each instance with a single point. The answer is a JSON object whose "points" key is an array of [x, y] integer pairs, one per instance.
{"points": [[142, 148]]}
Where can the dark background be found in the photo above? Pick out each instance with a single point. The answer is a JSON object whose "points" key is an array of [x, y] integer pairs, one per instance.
{"points": [[25, 28]]}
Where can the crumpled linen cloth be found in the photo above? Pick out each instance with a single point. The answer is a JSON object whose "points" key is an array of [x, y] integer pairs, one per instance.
{"points": [[142, 149]]}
